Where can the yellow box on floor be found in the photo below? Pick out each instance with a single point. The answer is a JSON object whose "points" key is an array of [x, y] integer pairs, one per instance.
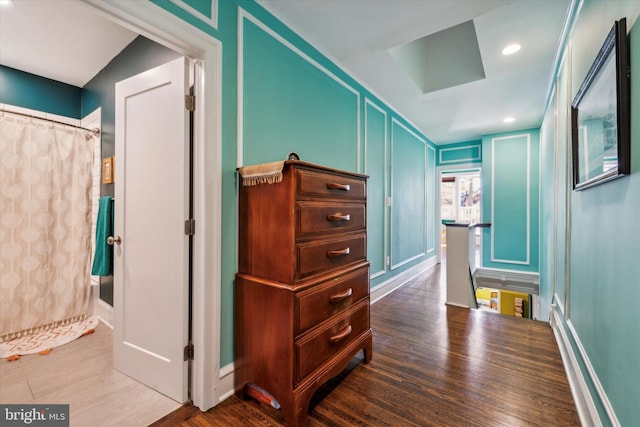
{"points": [[483, 293], [508, 303]]}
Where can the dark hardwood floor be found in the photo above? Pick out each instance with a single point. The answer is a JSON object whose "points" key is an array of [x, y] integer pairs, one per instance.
{"points": [[433, 365]]}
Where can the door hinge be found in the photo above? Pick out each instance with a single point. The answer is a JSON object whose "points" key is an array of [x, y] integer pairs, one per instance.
{"points": [[188, 352], [190, 227], [190, 102]]}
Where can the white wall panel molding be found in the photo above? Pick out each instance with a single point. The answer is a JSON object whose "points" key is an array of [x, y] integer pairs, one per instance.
{"points": [[370, 103], [505, 139], [212, 20], [243, 16], [434, 227], [463, 147], [584, 402], [396, 122], [593, 376]]}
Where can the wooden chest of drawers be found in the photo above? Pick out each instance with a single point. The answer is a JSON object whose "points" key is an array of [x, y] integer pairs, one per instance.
{"points": [[302, 288]]}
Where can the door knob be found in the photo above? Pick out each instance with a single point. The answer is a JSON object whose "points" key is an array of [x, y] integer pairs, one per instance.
{"points": [[113, 239]]}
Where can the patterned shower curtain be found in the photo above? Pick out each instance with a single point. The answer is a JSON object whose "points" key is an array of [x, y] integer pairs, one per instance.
{"points": [[45, 224]]}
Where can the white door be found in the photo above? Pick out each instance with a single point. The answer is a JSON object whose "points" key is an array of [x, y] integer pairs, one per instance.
{"points": [[151, 206]]}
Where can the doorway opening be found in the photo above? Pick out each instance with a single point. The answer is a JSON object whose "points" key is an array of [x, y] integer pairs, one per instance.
{"points": [[209, 386], [460, 202]]}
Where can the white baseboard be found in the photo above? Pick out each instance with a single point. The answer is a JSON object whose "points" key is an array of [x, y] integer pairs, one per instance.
{"points": [[593, 376], [101, 308], [584, 402], [396, 282], [226, 384], [209, 400]]}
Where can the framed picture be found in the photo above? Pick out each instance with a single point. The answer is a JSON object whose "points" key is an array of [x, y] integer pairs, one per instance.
{"points": [[108, 170], [600, 115]]}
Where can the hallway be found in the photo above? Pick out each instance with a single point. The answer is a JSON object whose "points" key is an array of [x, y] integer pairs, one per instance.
{"points": [[433, 365]]}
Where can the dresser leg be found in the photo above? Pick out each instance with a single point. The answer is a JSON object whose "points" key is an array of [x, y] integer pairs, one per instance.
{"points": [[367, 349], [293, 418], [295, 412]]}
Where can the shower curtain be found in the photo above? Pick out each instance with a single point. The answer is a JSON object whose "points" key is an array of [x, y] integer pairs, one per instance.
{"points": [[45, 224]]}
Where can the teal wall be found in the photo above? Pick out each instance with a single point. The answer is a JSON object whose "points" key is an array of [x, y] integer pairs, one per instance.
{"points": [[460, 153], [292, 104], [408, 192], [596, 286], [597, 229], [281, 95], [376, 146], [563, 177], [510, 200], [548, 228], [432, 202], [38, 93]]}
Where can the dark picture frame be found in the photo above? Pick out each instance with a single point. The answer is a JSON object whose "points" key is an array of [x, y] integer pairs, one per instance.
{"points": [[600, 115]]}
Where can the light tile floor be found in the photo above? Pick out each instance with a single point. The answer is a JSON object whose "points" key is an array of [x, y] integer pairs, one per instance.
{"points": [[81, 374]]}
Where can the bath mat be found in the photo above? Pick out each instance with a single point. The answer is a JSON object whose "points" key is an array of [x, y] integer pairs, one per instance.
{"points": [[43, 342]]}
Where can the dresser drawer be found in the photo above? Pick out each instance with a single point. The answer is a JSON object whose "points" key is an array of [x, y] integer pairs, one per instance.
{"points": [[319, 255], [316, 348], [317, 304], [315, 183], [318, 217]]}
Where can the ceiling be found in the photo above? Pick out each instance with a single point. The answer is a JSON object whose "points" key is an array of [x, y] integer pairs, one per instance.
{"points": [[63, 40], [66, 41], [362, 35]]}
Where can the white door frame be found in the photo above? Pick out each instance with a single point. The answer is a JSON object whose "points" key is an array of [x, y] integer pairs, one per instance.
{"points": [[439, 173], [156, 24]]}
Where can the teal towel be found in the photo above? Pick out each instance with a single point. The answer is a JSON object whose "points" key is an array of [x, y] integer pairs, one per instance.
{"points": [[103, 258]]}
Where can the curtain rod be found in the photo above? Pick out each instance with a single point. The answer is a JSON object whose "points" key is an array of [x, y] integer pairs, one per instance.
{"points": [[94, 131]]}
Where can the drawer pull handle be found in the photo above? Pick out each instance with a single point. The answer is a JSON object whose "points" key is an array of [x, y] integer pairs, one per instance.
{"points": [[338, 252], [338, 217], [340, 335], [336, 186], [342, 295]]}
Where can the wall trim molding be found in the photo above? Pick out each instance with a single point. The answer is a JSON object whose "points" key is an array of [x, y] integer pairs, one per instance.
{"points": [[296, 29], [464, 147], [397, 122], [434, 228], [613, 418], [559, 304], [405, 127], [211, 21], [100, 308], [527, 260], [245, 15], [369, 103], [406, 261], [585, 406], [227, 382], [401, 279]]}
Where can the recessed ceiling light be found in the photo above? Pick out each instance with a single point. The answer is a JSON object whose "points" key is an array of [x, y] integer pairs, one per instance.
{"points": [[511, 49], [509, 119]]}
